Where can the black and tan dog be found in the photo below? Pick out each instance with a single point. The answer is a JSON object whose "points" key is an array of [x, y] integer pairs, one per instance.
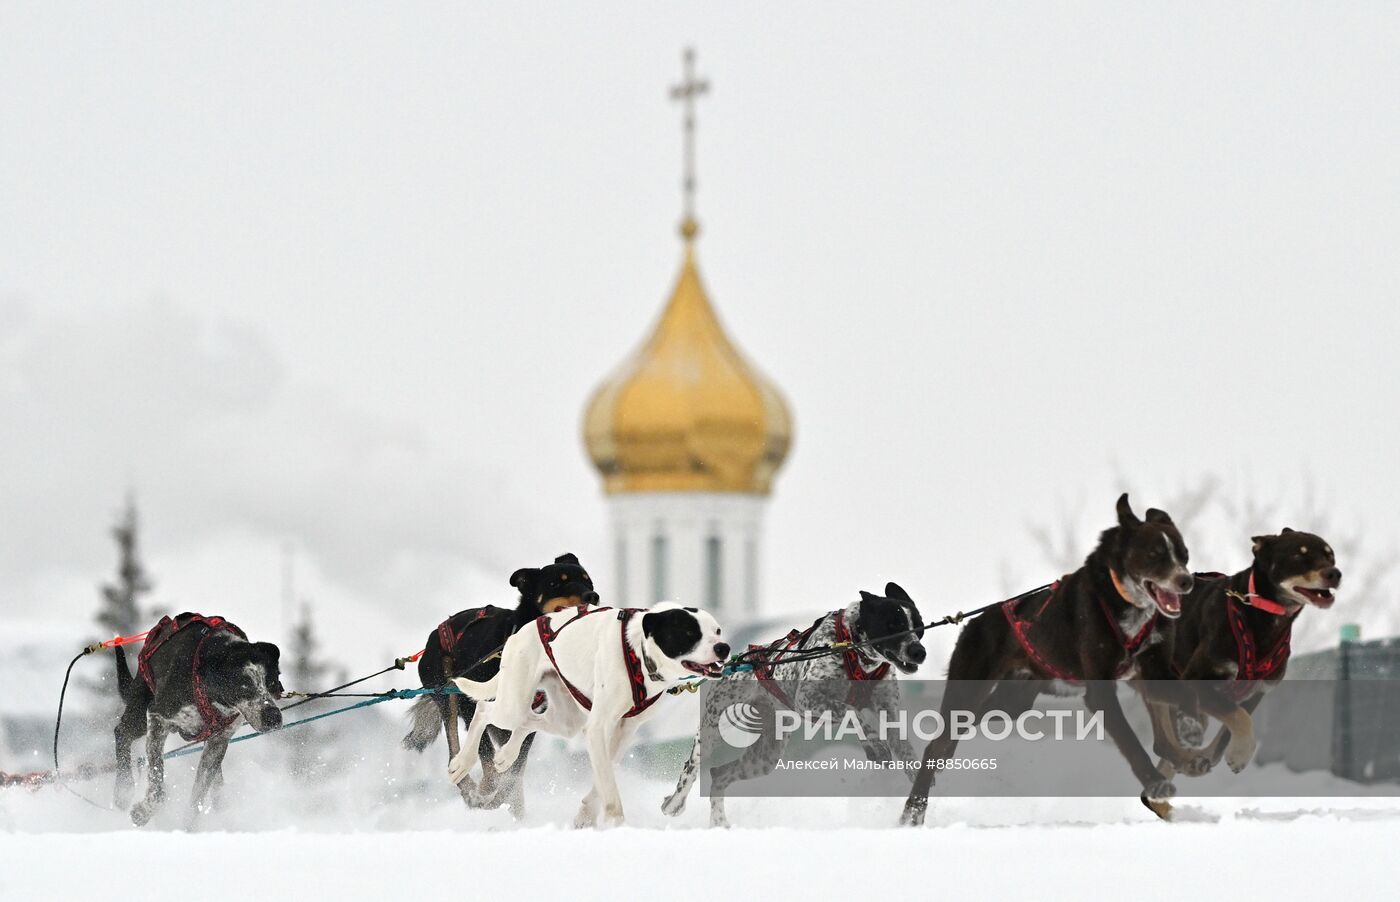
{"points": [[473, 640], [1235, 633], [198, 674], [1088, 627]]}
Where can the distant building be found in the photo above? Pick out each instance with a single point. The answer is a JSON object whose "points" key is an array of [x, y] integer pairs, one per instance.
{"points": [[688, 436]]}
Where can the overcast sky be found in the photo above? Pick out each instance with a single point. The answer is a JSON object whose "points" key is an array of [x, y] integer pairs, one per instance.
{"points": [[344, 275]]}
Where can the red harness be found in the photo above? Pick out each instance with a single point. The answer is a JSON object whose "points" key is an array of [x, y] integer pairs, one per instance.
{"points": [[852, 658], [771, 656], [635, 677], [448, 637], [1254, 666], [1022, 629], [214, 720]]}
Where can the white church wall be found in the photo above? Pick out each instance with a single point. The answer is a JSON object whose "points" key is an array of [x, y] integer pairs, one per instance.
{"points": [[685, 522]]}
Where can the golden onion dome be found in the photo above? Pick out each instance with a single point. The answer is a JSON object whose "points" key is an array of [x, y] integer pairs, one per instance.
{"points": [[687, 412]]}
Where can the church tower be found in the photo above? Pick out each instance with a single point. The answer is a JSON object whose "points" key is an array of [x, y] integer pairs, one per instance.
{"points": [[688, 436]]}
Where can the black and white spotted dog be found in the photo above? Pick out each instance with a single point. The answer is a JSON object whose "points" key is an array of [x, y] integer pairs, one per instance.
{"points": [[198, 675], [815, 685]]}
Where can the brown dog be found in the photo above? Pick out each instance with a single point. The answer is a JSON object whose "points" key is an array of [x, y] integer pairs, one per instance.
{"points": [[1087, 628], [1235, 630]]}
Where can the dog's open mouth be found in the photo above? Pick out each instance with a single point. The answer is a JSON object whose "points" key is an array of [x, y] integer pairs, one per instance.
{"points": [[705, 670], [1323, 598], [1169, 603]]}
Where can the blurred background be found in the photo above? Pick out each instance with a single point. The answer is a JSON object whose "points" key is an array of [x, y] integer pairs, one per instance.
{"points": [[309, 303]]}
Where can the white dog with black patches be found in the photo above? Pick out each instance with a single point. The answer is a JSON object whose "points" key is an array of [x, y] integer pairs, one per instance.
{"points": [[601, 669]]}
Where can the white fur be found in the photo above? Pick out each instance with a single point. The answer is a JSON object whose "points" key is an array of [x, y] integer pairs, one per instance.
{"points": [[589, 653]]}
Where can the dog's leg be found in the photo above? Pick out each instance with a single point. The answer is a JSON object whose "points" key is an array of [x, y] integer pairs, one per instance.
{"points": [[758, 760], [604, 738], [130, 728], [489, 787], [1164, 743], [514, 781], [1101, 697], [587, 811], [509, 753], [459, 768], [705, 738], [1235, 741], [210, 768], [961, 694], [450, 709], [156, 730], [897, 747]]}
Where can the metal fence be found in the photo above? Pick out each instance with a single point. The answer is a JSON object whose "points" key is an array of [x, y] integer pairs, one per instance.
{"points": [[1346, 726]]}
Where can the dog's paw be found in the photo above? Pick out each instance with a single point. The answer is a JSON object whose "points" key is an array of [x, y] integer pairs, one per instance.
{"points": [[673, 805], [142, 812], [458, 768], [1197, 766], [1239, 753], [1156, 806], [121, 799], [586, 818], [1158, 791], [612, 816], [1190, 730], [914, 812]]}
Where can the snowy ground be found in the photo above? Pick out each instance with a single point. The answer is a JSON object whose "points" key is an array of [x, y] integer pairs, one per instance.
{"points": [[372, 820]]}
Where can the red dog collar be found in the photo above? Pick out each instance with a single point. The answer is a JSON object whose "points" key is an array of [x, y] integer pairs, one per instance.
{"points": [[1255, 600]]}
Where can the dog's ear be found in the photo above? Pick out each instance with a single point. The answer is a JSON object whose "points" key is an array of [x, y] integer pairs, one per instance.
{"points": [[674, 630], [567, 558], [894, 590], [1156, 516], [266, 653], [1286, 530], [1126, 517], [866, 596], [526, 579], [1262, 542]]}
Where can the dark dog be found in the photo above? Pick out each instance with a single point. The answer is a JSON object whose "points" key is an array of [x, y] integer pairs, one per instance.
{"points": [[817, 684], [1236, 630], [473, 640], [1086, 628], [198, 674]]}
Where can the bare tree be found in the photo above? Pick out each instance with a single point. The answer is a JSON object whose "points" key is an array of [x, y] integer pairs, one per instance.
{"points": [[1218, 523]]}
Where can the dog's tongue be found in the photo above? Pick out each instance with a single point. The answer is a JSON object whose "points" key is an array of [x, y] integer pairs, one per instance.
{"points": [[1167, 602], [1321, 597]]}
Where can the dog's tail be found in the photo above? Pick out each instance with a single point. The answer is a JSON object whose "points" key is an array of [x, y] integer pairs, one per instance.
{"points": [[427, 723], [123, 673], [481, 692]]}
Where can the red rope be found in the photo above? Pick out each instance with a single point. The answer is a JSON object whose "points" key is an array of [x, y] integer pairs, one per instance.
{"points": [[124, 640]]}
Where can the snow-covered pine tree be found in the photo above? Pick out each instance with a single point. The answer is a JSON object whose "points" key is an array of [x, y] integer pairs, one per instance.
{"points": [[120, 611], [306, 671]]}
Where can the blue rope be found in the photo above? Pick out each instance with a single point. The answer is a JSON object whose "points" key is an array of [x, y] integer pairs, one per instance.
{"points": [[391, 695]]}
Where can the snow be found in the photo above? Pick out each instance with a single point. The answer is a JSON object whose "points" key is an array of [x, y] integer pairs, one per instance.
{"points": [[1320, 856], [371, 819]]}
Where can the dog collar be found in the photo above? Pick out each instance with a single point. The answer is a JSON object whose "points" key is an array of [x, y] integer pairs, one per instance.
{"points": [[1118, 585], [1255, 600]]}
